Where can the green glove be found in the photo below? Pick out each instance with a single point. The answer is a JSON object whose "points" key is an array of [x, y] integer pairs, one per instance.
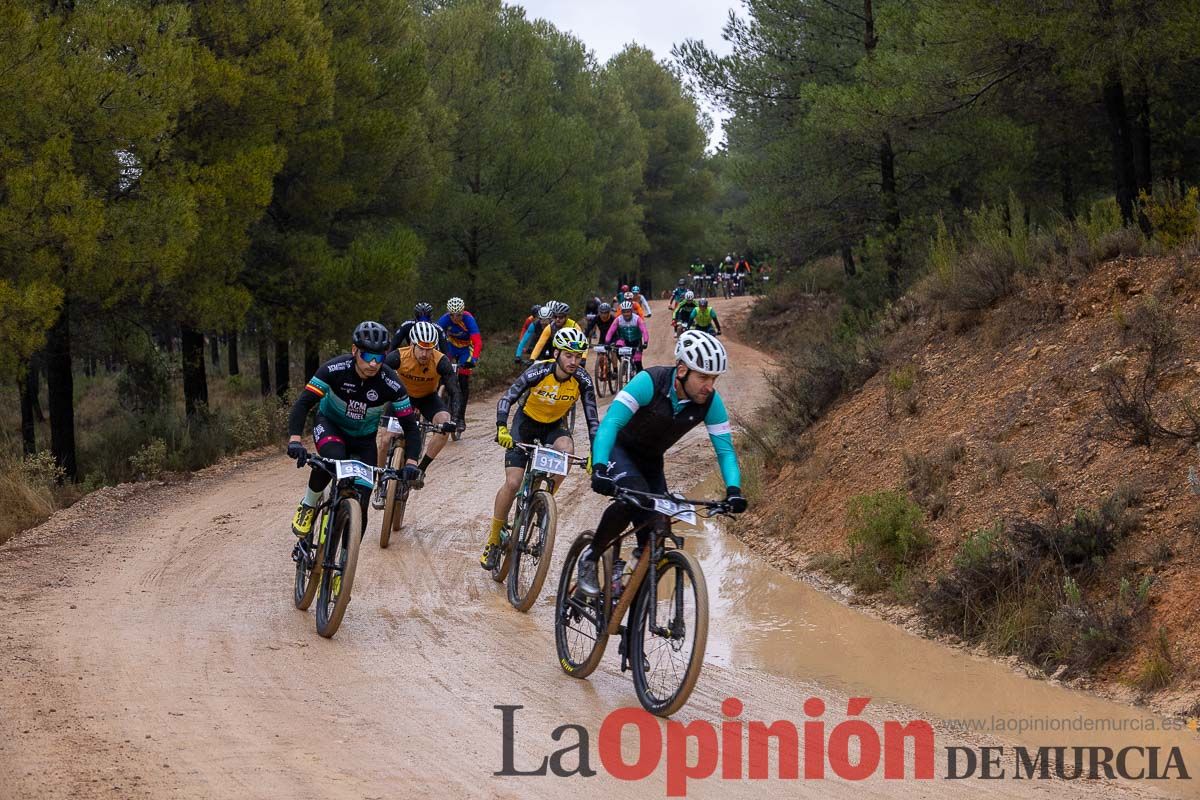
{"points": [[504, 437]]}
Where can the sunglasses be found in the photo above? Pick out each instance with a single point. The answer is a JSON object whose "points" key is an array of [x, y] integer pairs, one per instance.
{"points": [[371, 358]]}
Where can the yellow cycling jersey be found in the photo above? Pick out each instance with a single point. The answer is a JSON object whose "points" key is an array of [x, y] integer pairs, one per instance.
{"points": [[542, 348], [420, 380], [546, 399]]}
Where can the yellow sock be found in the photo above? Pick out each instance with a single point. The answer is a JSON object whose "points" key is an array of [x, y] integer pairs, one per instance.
{"points": [[494, 536]]}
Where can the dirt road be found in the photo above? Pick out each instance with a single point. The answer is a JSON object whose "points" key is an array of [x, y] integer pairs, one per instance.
{"points": [[149, 648]]}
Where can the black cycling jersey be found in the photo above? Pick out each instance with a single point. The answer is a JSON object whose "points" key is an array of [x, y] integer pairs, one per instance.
{"points": [[601, 325]]}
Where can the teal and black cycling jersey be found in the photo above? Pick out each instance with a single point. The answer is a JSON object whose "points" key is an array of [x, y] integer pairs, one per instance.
{"points": [[352, 404], [647, 418]]}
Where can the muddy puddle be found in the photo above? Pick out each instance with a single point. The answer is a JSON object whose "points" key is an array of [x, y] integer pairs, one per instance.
{"points": [[766, 620]]}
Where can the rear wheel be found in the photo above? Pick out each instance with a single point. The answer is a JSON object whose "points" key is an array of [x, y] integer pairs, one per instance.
{"points": [[500, 571], [338, 579], [533, 547], [601, 378], [581, 622], [626, 368], [394, 501], [666, 661], [308, 572]]}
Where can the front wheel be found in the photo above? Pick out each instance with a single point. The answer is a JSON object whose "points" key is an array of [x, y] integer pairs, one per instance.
{"points": [[626, 369], [337, 578], [581, 622], [533, 546], [308, 573], [395, 499], [669, 631]]}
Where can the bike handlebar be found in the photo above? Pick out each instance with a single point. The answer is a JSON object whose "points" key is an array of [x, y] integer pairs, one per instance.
{"points": [[580, 460], [638, 498]]}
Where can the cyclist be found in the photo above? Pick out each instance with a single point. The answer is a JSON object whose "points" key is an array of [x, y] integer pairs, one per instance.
{"points": [[697, 271], [641, 300], [544, 395], [683, 312], [704, 318], [648, 416], [558, 321], [530, 320], [590, 309], [677, 294], [422, 368], [464, 346], [422, 312], [350, 392], [630, 331], [532, 332], [619, 296], [603, 321], [741, 275]]}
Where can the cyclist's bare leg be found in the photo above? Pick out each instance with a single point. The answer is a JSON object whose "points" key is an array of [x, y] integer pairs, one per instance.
{"points": [[563, 444], [438, 441], [507, 492]]}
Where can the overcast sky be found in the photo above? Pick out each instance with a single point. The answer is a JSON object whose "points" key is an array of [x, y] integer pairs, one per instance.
{"points": [[606, 26]]}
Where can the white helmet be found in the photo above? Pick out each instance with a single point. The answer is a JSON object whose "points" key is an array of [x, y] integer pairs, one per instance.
{"points": [[424, 334], [544, 312], [570, 340], [689, 295], [455, 305], [627, 305], [728, 259], [702, 352]]}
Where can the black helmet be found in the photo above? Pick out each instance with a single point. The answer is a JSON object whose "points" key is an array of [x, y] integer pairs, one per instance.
{"points": [[423, 310], [533, 311], [605, 308], [372, 337]]}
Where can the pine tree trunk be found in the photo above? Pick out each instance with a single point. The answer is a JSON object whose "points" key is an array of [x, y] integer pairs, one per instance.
{"points": [[60, 382], [264, 366], [312, 357], [28, 431], [233, 353], [848, 260], [281, 368], [215, 347], [195, 381], [33, 380], [891, 212], [1124, 173]]}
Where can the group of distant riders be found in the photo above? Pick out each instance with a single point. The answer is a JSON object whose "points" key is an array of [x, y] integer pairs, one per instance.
{"points": [[402, 373]]}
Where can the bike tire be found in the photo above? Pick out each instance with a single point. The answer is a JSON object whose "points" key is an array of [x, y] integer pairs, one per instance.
{"points": [[309, 581], [623, 377], [665, 692], [601, 381], [500, 572], [576, 657], [612, 379], [539, 524], [393, 507], [346, 538]]}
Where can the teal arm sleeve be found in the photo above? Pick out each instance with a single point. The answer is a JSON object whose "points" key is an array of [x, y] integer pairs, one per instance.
{"points": [[637, 393], [526, 338], [720, 432]]}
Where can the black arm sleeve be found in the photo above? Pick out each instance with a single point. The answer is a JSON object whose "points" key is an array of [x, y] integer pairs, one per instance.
{"points": [[299, 414], [587, 396], [449, 380], [527, 379], [412, 436]]}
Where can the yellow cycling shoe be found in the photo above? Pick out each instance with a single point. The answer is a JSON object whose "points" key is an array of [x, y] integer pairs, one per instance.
{"points": [[303, 521], [491, 552]]}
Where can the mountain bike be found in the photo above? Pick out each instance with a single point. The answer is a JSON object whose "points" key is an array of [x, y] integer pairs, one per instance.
{"points": [[527, 541], [396, 495], [325, 568], [606, 370], [658, 606], [444, 394], [624, 364]]}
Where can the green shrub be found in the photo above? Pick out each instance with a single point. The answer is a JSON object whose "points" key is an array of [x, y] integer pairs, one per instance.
{"points": [[887, 527], [150, 460], [1174, 212]]}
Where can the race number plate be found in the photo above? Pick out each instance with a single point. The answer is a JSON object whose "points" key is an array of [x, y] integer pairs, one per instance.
{"points": [[625, 351], [394, 425], [684, 512], [600, 348], [355, 469], [550, 461]]}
